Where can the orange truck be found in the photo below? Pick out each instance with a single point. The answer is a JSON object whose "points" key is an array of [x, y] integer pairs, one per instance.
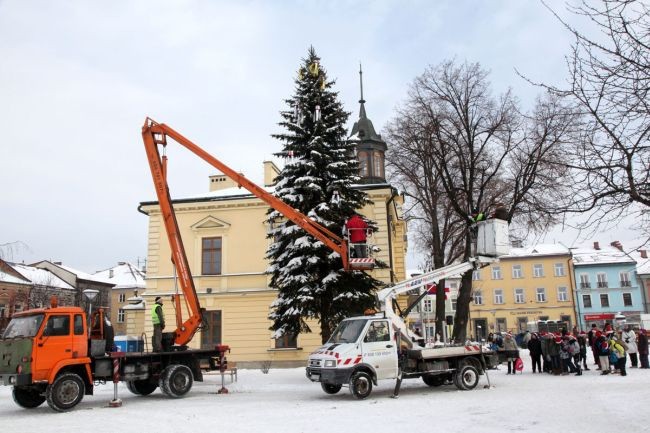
{"points": [[52, 354]]}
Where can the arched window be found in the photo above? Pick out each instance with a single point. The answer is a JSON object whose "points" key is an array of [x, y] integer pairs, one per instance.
{"points": [[378, 163], [364, 169]]}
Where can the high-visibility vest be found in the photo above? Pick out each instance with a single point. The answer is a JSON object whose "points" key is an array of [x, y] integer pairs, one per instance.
{"points": [[154, 315]]}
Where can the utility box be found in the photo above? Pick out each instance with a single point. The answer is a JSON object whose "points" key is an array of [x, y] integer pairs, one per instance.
{"points": [[493, 238], [127, 343]]}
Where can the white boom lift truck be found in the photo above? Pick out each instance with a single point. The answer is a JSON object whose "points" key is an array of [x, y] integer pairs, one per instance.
{"points": [[365, 349]]}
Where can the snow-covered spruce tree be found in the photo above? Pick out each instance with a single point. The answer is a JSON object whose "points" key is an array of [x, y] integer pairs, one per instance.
{"points": [[317, 180]]}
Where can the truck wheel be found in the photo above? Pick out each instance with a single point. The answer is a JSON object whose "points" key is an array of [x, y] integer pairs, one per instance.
{"points": [[176, 380], [141, 387], [330, 389], [466, 377], [360, 385], [27, 397], [434, 379], [65, 392]]}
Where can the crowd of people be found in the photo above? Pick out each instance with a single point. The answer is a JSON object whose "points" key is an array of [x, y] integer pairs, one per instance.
{"points": [[564, 353]]}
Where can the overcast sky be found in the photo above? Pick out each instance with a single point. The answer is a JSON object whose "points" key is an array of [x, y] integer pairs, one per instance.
{"points": [[78, 78]]}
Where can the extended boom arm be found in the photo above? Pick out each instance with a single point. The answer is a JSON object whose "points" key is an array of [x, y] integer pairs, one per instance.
{"points": [[155, 134]]}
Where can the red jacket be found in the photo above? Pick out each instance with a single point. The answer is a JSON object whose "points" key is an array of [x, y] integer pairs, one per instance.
{"points": [[357, 228]]}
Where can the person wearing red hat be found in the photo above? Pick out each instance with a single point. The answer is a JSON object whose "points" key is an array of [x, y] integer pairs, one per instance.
{"points": [[554, 346], [642, 346], [602, 349]]}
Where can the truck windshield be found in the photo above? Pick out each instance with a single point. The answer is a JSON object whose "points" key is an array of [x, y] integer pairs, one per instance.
{"points": [[348, 331], [25, 326]]}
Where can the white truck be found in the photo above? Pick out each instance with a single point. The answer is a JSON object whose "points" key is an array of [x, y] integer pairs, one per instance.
{"points": [[365, 349]]}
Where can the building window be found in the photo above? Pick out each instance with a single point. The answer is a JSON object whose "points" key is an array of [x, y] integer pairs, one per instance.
{"points": [[364, 169], [453, 303], [501, 325], [541, 294], [519, 296], [476, 275], [496, 272], [517, 272], [602, 280], [604, 300], [538, 270], [627, 299], [378, 163], [427, 306], [559, 269], [211, 256], [498, 296], [625, 279], [287, 341], [584, 281], [478, 297], [122, 297], [586, 301], [120, 315], [562, 294]]}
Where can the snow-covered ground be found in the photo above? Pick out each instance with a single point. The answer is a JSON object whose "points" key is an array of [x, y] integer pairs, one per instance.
{"points": [[284, 401]]}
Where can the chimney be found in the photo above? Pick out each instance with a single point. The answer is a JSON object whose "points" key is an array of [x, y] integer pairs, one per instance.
{"points": [[271, 171], [221, 181], [617, 245], [58, 263], [596, 246], [644, 254], [110, 273]]}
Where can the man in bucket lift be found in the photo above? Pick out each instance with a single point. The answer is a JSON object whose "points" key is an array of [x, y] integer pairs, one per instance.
{"points": [[357, 234]]}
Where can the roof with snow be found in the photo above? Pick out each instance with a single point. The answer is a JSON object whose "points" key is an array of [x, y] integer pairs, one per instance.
{"points": [[36, 276], [125, 276], [84, 276], [604, 255], [538, 250], [642, 265]]}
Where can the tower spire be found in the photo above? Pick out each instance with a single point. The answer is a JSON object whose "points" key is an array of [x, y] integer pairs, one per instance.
{"points": [[361, 101]]}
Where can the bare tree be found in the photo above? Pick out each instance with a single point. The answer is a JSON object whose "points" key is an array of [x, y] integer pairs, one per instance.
{"points": [[609, 81], [483, 152]]}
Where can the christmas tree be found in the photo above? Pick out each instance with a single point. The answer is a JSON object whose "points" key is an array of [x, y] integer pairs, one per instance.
{"points": [[317, 180]]}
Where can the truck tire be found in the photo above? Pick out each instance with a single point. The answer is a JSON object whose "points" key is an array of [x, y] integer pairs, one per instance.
{"points": [[330, 388], [434, 379], [176, 380], [360, 385], [65, 392], [141, 387], [466, 378], [27, 397]]}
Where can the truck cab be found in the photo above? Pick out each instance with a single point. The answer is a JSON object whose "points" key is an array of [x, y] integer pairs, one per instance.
{"points": [[364, 347], [44, 353]]}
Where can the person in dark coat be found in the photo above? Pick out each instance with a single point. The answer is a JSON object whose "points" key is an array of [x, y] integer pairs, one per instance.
{"points": [[642, 345], [535, 349], [592, 339], [582, 341]]}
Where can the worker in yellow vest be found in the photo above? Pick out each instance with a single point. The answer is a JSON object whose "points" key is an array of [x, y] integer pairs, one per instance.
{"points": [[158, 320]]}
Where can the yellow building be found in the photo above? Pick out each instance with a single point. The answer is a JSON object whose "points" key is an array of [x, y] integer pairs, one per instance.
{"points": [[528, 285], [224, 234]]}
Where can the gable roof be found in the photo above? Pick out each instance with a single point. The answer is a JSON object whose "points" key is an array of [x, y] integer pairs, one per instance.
{"points": [[125, 276], [605, 255], [36, 276]]}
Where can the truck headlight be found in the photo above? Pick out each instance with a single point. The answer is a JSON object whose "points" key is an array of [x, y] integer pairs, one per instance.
{"points": [[330, 363]]}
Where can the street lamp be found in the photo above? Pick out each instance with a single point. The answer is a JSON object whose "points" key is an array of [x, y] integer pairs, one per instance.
{"points": [[90, 294]]}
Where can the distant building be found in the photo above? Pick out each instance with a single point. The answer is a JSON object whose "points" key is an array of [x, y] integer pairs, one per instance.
{"points": [[128, 281], [80, 281], [528, 285], [24, 287], [606, 284], [643, 276]]}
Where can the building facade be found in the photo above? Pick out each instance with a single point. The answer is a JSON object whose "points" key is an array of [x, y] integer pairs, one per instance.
{"points": [[528, 285], [606, 285]]}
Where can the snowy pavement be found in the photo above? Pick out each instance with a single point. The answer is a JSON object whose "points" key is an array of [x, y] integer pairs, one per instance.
{"points": [[284, 401]]}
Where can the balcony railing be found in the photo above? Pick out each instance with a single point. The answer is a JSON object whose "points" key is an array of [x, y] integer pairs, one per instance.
{"points": [[585, 285], [626, 283], [602, 284]]}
